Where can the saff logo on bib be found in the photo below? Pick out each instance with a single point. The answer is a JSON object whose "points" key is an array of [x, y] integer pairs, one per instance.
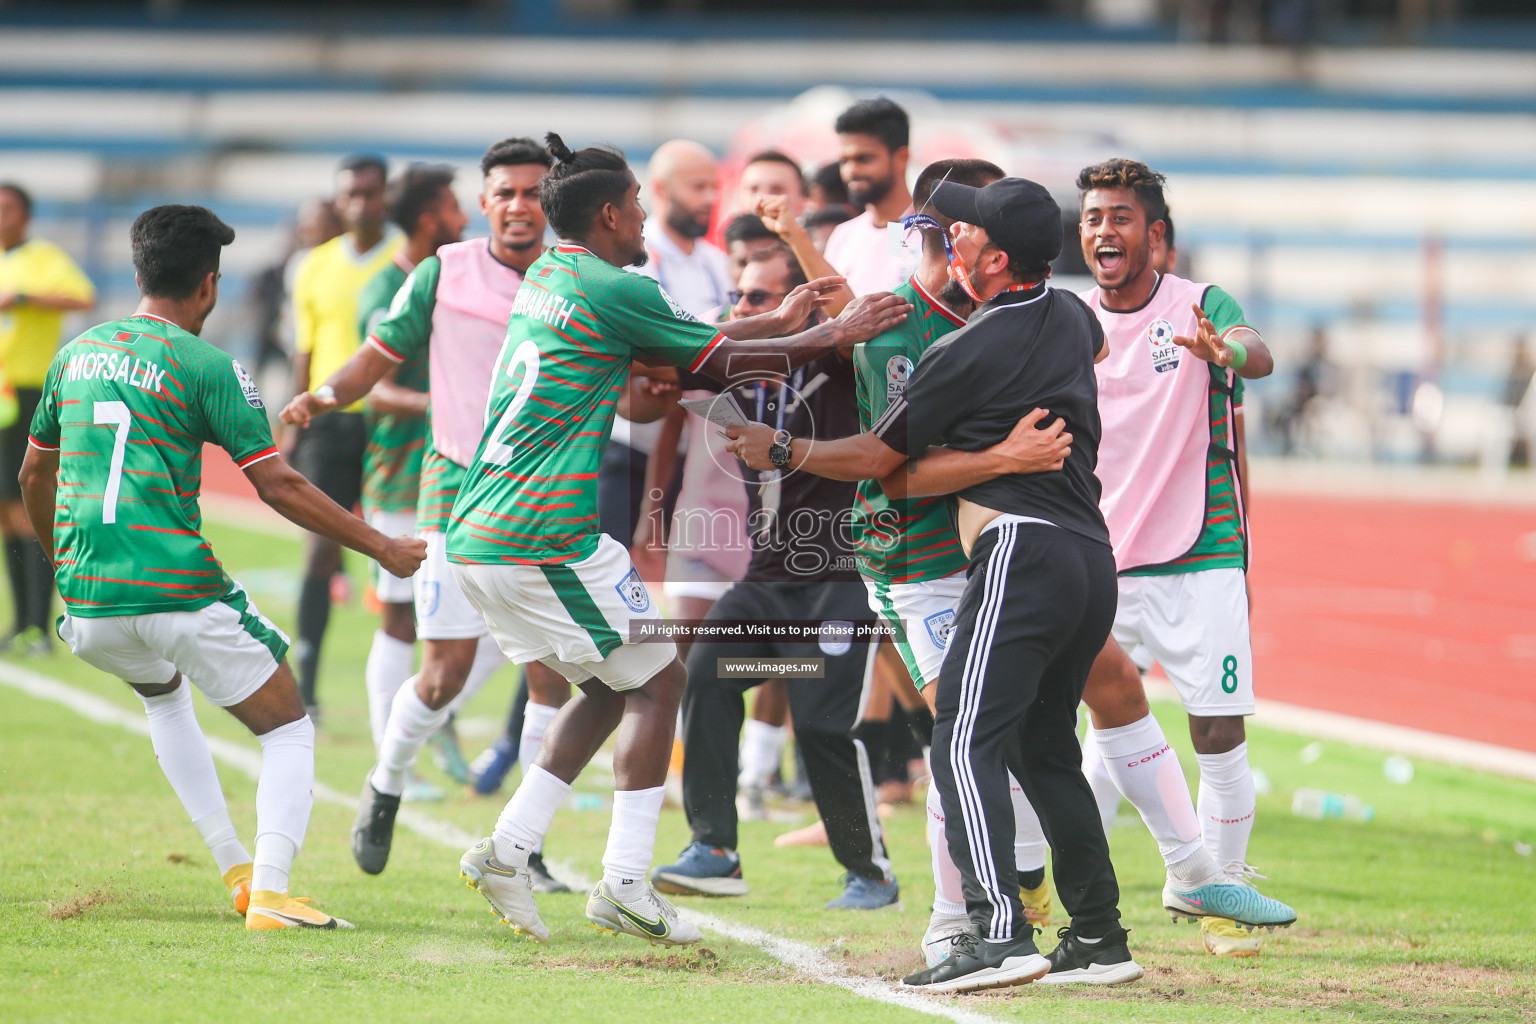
{"points": [[1165, 354], [940, 625], [897, 369], [632, 589]]}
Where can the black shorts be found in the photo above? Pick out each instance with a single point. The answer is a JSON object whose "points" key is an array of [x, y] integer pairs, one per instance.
{"points": [[13, 443], [830, 704], [330, 455]]}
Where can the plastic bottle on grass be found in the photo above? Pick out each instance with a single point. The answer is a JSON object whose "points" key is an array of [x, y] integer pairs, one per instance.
{"points": [[1318, 804]]}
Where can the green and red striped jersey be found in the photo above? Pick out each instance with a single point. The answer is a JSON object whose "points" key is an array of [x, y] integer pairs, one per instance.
{"points": [[902, 540], [576, 325], [128, 406], [392, 460]]}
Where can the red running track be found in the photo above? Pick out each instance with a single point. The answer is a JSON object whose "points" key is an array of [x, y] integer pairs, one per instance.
{"points": [[1408, 612]]}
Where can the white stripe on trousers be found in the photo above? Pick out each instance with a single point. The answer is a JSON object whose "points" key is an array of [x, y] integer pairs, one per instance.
{"points": [[972, 811]]}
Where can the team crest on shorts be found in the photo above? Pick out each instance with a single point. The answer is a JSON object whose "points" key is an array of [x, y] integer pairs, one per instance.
{"points": [[836, 637], [897, 369], [940, 625], [427, 595], [632, 589], [248, 386], [1165, 354]]}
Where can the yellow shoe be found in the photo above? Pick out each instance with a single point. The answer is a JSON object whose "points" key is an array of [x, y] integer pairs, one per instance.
{"points": [[238, 881], [1222, 937], [279, 910], [1037, 904]]}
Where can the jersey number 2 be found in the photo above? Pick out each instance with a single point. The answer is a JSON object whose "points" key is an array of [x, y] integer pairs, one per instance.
{"points": [[527, 357], [114, 414]]}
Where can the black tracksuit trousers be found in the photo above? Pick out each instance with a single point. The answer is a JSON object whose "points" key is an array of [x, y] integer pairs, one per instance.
{"points": [[1036, 611], [824, 712]]}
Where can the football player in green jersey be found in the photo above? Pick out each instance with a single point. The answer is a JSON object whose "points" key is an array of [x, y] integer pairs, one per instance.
{"points": [[453, 310], [111, 482], [523, 536], [422, 203]]}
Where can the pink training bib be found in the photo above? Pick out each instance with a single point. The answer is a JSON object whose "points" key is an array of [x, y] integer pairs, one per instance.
{"points": [[469, 324], [1153, 403]]}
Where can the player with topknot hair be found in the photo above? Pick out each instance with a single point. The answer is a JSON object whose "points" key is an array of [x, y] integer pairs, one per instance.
{"points": [[523, 537]]}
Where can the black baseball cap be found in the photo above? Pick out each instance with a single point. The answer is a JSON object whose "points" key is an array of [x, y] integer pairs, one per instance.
{"points": [[1018, 215]]}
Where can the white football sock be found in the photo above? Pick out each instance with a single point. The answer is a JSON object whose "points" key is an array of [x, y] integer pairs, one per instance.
{"points": [[948, 896], [1146, 769], [284, 797], [1227, 804], [223, 842], [1029, 844], [761, 747], [1097, 773], [390, 663], [488, 658], [528, 815], [182, 750], [536, 718], [411, 724], [631, 840]]}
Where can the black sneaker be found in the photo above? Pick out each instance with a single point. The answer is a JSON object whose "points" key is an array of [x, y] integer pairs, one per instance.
{"points": [[1106, 962], [374, 829], [539, 875], [975, 963]]}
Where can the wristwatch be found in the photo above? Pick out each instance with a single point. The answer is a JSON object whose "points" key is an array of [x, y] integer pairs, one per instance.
{"points": [[779, 452], [325, 393]]}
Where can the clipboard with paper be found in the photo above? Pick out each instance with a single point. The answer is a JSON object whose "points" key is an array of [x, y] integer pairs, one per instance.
{"points": [[721, 410]]}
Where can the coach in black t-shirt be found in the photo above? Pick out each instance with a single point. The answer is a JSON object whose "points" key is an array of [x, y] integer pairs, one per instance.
{"points": [[1040, 597]]}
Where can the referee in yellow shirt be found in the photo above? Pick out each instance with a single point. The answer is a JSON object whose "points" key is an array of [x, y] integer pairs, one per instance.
{"points": [[39, 283], [329, 452]]}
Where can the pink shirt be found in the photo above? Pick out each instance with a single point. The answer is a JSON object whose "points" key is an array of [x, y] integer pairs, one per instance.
{"points": [[710, 520], [1153, 404], [469, 323], [869, 257]]}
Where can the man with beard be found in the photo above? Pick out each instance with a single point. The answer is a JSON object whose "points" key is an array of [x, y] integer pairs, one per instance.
{"points": [[684, 188], [1173, 504], [683, 181], [872, 139], [553, 588], [454, 307]]}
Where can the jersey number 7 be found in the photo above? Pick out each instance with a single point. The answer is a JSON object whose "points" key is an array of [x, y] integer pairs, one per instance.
{"points": [[114, 414]]}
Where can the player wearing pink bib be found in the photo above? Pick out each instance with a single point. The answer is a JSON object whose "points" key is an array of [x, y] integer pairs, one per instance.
{"points": [[1171, 497]]}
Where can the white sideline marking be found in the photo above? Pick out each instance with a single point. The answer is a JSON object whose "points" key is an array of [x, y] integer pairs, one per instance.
{"points": [[803, 958], [1396, 739]]}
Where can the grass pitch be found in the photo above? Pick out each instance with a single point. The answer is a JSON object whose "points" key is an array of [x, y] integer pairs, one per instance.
{"points": [[111, 908]]}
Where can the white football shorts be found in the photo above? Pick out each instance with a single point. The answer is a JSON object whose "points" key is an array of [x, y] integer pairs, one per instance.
{"points": [[583, 619]]}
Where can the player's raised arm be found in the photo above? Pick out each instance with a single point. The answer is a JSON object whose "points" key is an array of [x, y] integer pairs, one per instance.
{"points": [[280, 485], [746, 358], [1238, 347]]}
